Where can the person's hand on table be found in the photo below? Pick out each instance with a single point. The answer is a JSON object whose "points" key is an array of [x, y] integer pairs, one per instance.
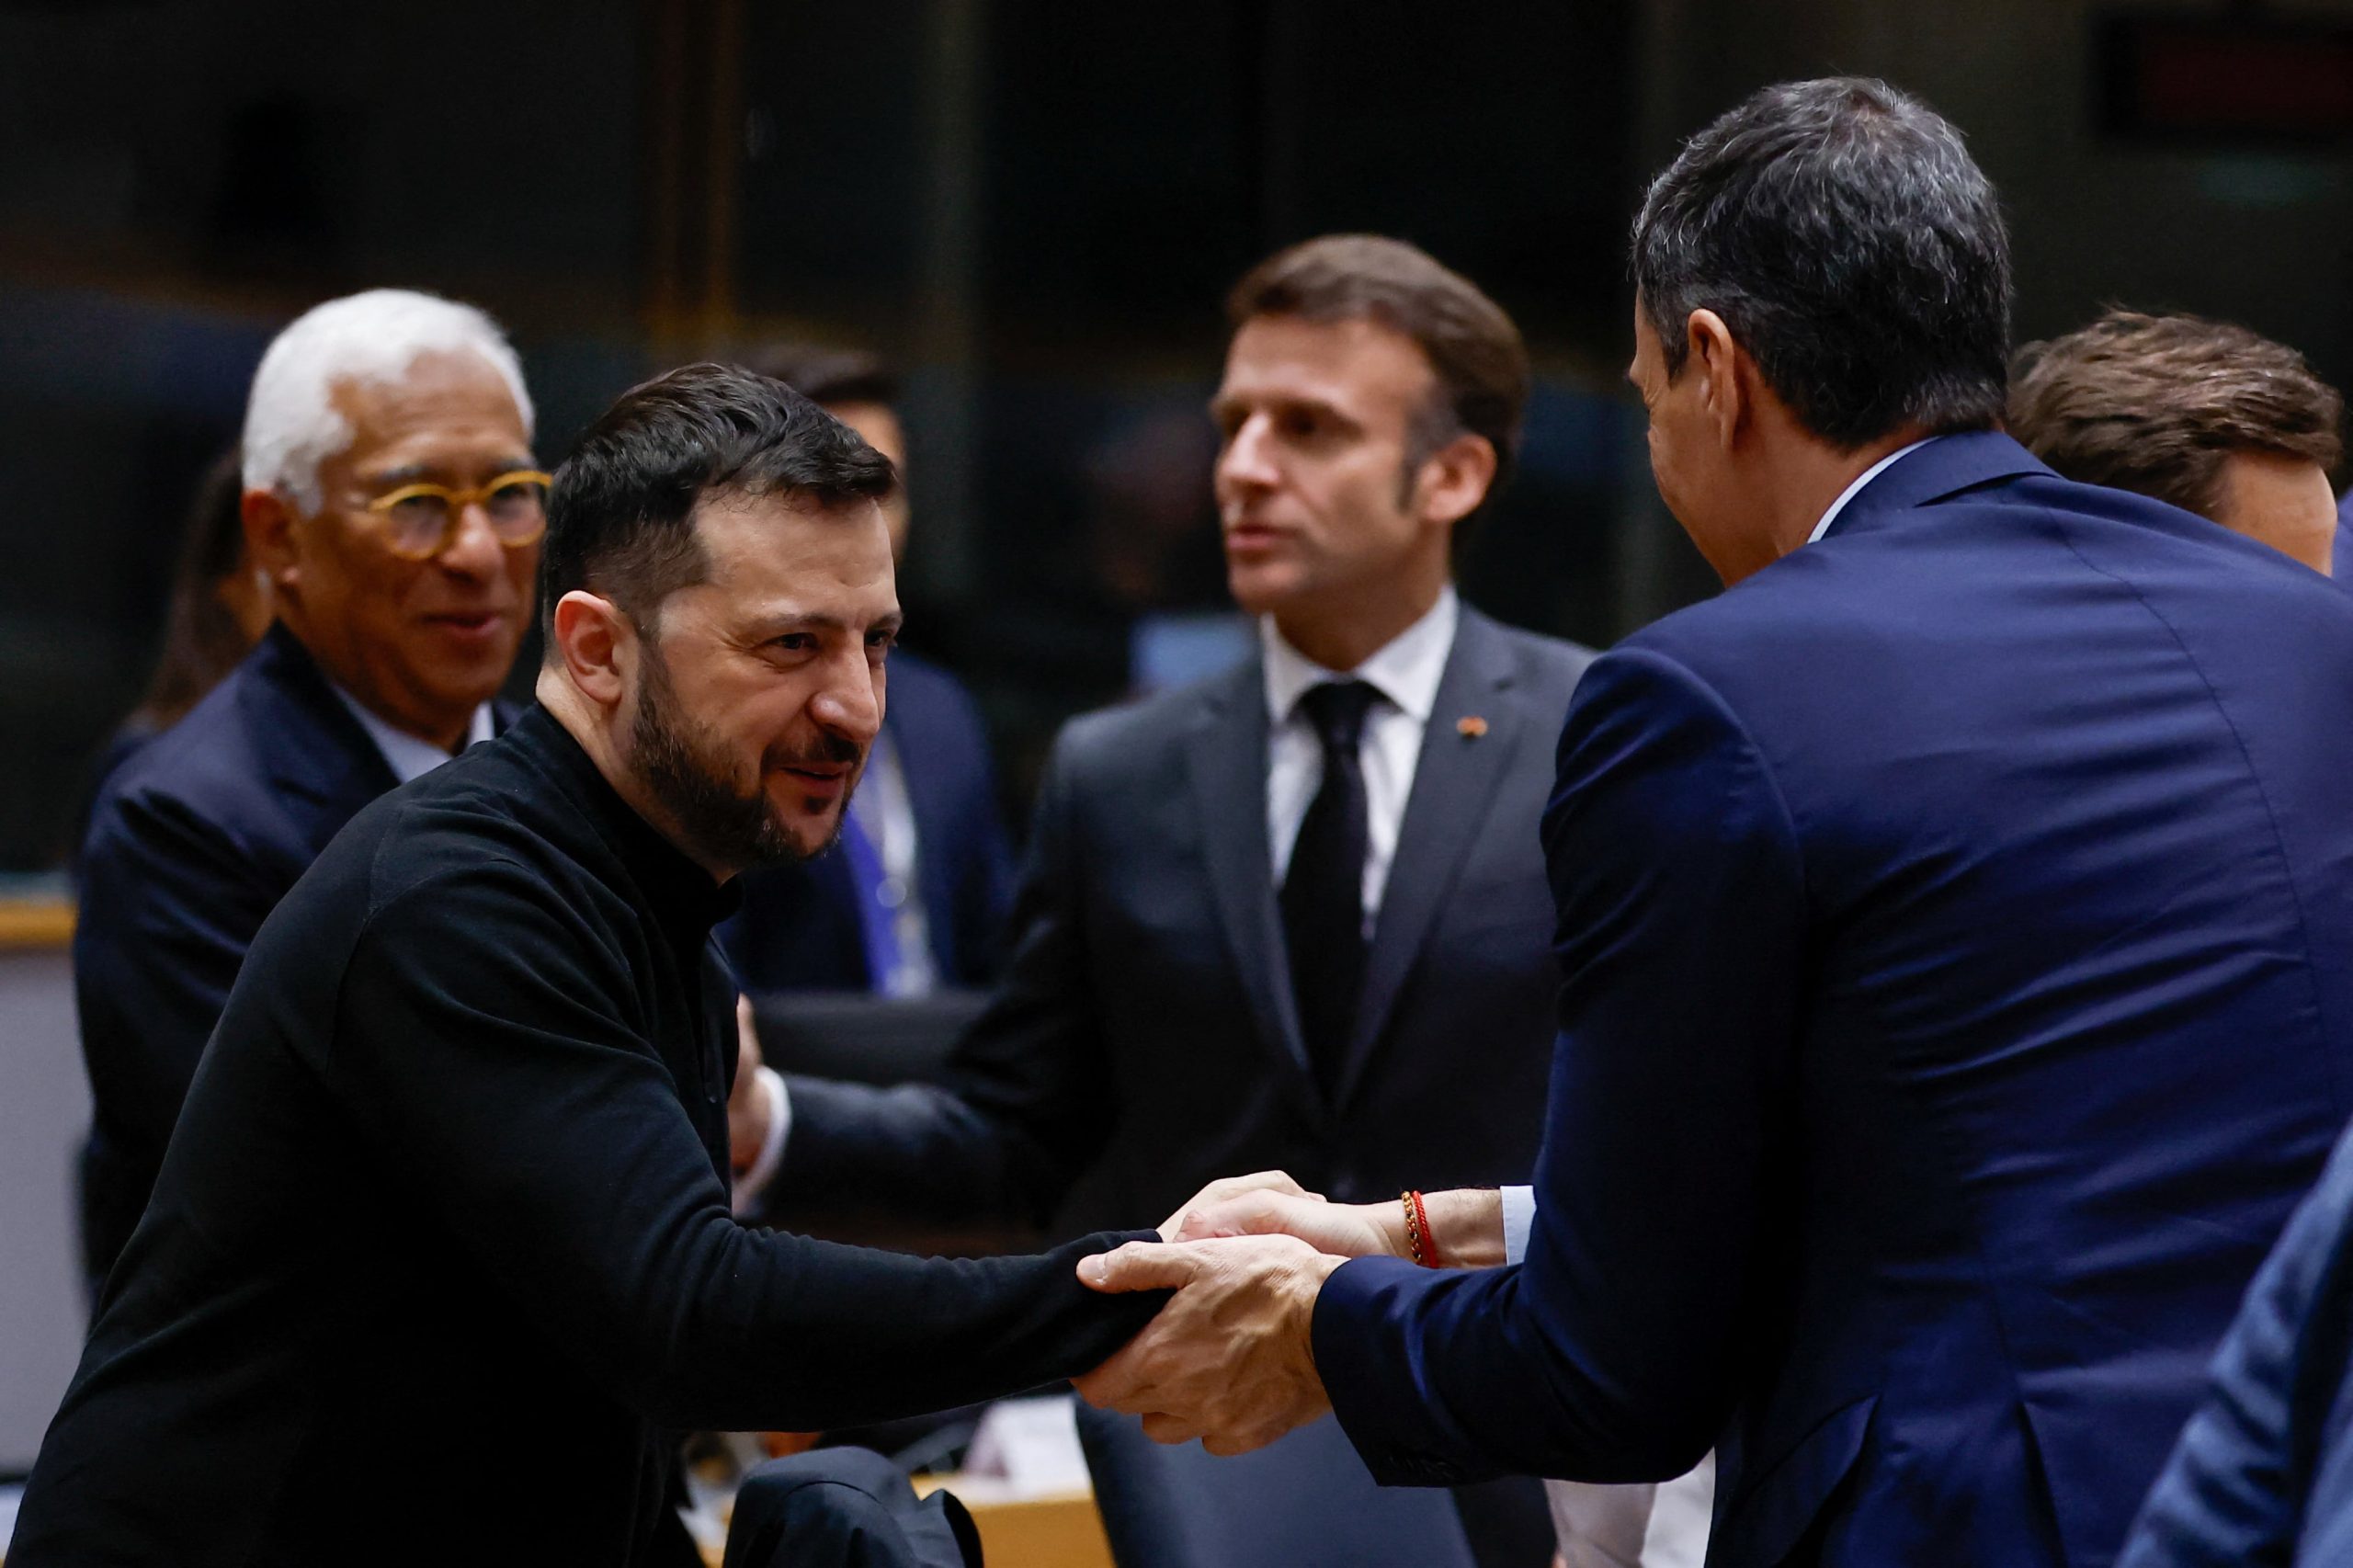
{"points": [[1228, 1360]]}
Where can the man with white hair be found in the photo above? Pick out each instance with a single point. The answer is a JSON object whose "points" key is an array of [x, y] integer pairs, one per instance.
{"points": [[391, 497]]}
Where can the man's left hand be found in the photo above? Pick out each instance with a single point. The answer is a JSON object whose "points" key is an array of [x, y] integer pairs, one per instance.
{"points": [[1228, 1360]]}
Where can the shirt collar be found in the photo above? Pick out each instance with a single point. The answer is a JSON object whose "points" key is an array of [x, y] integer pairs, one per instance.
{"points": [[409, 757], [1862, 479], [1405, 670]]}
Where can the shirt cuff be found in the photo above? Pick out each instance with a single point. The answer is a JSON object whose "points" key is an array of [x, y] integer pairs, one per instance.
{"points": [[1519, 1218], [752, 1183]]}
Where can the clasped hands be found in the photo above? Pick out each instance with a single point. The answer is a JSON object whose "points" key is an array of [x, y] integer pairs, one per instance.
{"points": [[1228, 1360]]}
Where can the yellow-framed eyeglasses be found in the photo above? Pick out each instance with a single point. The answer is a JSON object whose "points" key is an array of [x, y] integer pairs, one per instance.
{"points": [[421, 519]]}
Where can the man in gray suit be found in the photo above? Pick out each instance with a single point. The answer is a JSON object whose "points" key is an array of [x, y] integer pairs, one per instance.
{"points": [[1293, 917]]}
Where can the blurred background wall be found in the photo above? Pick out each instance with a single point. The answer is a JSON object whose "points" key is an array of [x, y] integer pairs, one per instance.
{"points": [[1033, 205]]}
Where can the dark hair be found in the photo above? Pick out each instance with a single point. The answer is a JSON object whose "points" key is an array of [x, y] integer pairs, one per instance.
{"points": [[2154, 403], [1842, 231], [202, 640], [828, 376], [1473, 348], [621, 516]]}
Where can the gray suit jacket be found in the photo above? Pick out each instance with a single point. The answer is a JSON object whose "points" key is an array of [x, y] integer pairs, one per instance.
{"points": [[1145, 1038]]}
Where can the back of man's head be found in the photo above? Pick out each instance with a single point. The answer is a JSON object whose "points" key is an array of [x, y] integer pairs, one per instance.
{"points": [[1473, 348], [1852, 247], [620, 514], [371, 338], [2158, 403]]}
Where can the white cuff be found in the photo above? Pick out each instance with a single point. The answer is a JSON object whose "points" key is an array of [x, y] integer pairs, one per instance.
{"points": [[749, 1185], [1519, 1218]]}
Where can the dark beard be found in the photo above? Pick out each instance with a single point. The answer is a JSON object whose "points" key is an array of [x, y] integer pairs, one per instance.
{"points": [[683, 769]]}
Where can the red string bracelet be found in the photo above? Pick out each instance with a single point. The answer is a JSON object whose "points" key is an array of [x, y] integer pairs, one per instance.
{"points": [[1419, 1240]]}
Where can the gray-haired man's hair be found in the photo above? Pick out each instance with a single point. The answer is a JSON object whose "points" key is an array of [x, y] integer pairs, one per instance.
{"points": [[1841, 230], [291, 423]]}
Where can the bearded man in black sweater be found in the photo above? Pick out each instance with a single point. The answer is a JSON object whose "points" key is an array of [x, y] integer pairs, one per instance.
{"points": [[447, 1215]]}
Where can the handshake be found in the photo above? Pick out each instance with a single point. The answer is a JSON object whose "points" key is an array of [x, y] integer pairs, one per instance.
{"points": [[1231, 1359]]}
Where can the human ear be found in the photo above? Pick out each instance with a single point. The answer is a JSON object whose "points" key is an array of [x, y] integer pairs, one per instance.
{"points": [[269, 539], [1455, 479], [1719, 362], [597, 644]]}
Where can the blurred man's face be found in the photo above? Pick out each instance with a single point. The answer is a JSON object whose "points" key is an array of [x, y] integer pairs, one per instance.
{"points": [[878, 423], [1687, 459], [2281, 501], [421, 643], [756, 703], [1312, 488]]}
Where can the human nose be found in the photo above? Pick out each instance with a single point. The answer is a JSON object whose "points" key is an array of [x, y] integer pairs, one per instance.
{"points": [[1247, 459], [850, 702], [471, 548]]}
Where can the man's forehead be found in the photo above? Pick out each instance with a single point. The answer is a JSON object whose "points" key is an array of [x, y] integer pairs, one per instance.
{"points": [[764, 538], [1292, 356]]}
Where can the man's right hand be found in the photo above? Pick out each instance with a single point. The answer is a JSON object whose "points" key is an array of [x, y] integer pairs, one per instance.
{"points": [[1342, 1230]]}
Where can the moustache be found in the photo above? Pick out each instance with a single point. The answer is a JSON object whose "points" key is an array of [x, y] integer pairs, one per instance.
{"points": [[827, 750]]}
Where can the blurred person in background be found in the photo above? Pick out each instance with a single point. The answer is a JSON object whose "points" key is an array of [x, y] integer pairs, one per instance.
{"points": [[219, 607], [1292, 916], [2209, 416], [913, 897]]}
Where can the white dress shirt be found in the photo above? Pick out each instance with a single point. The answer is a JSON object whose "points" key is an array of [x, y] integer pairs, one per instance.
{"points": [[1862, 479], [409, 757], [1405, 673]]}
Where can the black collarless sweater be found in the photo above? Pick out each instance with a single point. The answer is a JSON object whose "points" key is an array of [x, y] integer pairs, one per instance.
{"points": [[441, 1253]]}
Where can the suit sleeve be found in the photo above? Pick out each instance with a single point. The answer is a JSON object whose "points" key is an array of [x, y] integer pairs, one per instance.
{"points": [[169, 904], [1608, 1354], [1025, 1102], [487, 1048], [2250, 1479]]}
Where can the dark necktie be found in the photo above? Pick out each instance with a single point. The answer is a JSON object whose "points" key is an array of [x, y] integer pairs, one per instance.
{"points": [[1322, 896]]}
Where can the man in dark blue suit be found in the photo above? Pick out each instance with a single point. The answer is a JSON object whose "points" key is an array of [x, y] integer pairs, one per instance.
{"points": [[913, 896], [400, 607], [1956, 930]]}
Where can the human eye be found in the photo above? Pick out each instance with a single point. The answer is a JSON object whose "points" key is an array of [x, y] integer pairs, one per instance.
{"points": [[518, 495], [794, 643]]}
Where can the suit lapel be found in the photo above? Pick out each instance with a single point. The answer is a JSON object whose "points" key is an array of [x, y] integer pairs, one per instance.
{"points": [[316, 752], [1454, 787], [1227, 761]]}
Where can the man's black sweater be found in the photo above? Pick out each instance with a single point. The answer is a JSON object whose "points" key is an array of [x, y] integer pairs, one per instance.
{"points": [[441, 1251]]}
